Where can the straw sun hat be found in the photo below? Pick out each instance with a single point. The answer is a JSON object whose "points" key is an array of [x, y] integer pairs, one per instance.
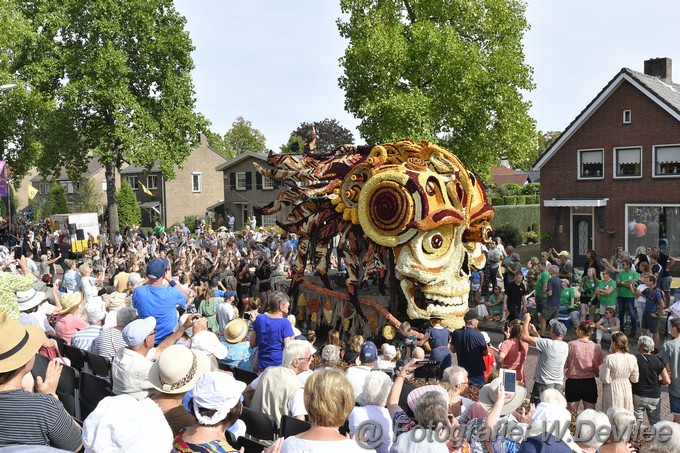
{"points": [[18, 343], [70, 301], [236, 330]]}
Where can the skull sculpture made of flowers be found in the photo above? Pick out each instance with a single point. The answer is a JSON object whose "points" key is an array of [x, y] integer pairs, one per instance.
{"points": [[417, 199]]}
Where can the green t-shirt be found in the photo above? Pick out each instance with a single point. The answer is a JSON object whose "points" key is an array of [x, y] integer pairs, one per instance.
{"points": [[542, 279], [566, 296], [588, 287], [625, 277], [611, 298]]}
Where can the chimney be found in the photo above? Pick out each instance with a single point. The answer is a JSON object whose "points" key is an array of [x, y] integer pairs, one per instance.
{"points": [[202, 139], [505, 162], [661, 68]]}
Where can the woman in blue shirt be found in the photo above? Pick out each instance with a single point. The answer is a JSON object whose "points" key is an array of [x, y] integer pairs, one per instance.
{"points": [[271, 331]]}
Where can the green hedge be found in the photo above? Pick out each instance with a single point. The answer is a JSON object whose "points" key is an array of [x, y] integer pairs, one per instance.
{"points": [[521, 216]]}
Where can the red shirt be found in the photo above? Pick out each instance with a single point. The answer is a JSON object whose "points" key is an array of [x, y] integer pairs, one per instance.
{"points": [[490, 362]]}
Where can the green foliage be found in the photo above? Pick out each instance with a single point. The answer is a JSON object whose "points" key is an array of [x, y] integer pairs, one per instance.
{"points": [[330, 134], [524, 217], [90, 200], [216, 142], [451, 72], [509, 234], [295, 145], [244, 137], [118, 77], [510, 189], [530, 237], [533, 188], [39, 207], [129, 211], [57, 203], [545, 140]]}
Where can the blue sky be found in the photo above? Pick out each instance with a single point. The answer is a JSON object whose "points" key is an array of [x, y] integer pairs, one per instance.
{"points": [[276, 64]]}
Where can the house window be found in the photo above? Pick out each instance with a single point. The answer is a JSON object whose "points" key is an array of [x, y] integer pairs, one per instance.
{"points": [[132, 180], [267, 184], [68, 185], [667, 160], [195, 182], [591, 164], [104, 186], [269, 220], [627, 117], [628, 162], [152, 182], [651, 224], [241, 180]]}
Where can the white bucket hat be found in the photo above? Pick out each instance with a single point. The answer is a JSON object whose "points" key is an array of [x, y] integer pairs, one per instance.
{"points": [[30, 298]]}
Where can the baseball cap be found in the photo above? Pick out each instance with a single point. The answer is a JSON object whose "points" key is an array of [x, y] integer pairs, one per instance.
{"points": [[156, 268], [470, 315], [229, 294], [559, 328], [368, 352], [137, 331]]}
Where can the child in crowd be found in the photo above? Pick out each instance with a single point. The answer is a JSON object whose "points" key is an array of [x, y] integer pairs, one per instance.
{"points": [[495, 304], [409, 343]]}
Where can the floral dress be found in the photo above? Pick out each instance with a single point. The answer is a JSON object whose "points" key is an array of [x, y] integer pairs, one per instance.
{"points": [[179, 445], [9, 285]]}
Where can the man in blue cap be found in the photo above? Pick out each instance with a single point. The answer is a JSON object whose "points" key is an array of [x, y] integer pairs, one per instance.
{"points": [[157, 300]]}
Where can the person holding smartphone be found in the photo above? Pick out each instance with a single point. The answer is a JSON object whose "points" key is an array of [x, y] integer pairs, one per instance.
{"points": [[10, 283]]}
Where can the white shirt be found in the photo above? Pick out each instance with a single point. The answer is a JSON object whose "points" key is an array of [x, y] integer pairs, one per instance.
{"points": [[357, 376], [294, 445], [225, 313], [208, 342], [375, 414], [130, 374]]}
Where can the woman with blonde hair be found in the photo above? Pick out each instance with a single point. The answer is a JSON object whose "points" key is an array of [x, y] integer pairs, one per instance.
{"points": [[329, 399], [353, 349], [619, 370], [68, 322]]}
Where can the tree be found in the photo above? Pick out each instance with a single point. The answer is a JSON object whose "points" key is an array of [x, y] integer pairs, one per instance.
{"points": [[120, 77], [330, 134], [295, 145], [57, 202], [216, 142], [129, 211], [244, 137], [89, 197], [545, 141], [449, 72]]}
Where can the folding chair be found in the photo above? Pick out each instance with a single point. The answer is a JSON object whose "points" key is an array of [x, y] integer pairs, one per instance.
{"points": [[244, 375], [258, 425], [99, 365], [291, 426], [92, 391], [67, 388], [76, 356], [249, 445]]}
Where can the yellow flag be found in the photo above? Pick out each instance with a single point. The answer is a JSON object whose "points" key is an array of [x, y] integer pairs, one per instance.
{"points": [[146, 191], [32, 192]]}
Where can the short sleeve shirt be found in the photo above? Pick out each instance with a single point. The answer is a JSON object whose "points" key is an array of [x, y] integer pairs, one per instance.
{"points": [[160, 302], [626, 277], [271, 333], [611, 298], [551, 359], [469, 346]]}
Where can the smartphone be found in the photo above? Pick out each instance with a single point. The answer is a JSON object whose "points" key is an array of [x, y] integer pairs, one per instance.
{"points": [[17, 253], [509, 380]]}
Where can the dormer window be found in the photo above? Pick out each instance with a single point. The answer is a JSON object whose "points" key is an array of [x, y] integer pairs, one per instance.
{"points": [[627, 117]]}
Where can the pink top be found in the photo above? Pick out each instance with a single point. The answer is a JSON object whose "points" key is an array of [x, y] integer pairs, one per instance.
{"points": [[67, 325], [584, 360], [514, 356]]}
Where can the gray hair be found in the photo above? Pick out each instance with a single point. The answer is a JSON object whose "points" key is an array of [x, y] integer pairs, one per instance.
{"points": [[455, 375], [432, 409], [553, 396], [295, 349], [555, 269], [646, 344], [125, 316], [514, 257], [622, 422], [671, 442], [276, 301], [134, 279], [589, 426], [376, 387]]}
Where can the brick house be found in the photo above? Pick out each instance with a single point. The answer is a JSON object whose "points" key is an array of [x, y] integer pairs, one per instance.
{"points": [[612, 177], [195, 187], [245, 188], [504, 174]]}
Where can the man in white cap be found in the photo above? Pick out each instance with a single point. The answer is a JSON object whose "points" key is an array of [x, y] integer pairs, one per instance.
{"points": [[130, 366], [96, 313]]}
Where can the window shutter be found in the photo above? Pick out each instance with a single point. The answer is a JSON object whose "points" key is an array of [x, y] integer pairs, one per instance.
{"points": [[249, 180], [232, 181], [258, 181]]}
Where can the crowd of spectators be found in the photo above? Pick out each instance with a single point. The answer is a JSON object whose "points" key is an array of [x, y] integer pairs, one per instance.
{"points": [[180, 313]]}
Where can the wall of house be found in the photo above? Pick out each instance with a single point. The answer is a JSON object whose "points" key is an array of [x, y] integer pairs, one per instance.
{"points": [[181, 200], [650, 126], [238, 201]]}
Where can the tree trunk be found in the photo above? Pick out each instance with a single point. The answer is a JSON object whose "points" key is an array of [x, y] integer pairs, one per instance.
{"points": [[111, 199]]}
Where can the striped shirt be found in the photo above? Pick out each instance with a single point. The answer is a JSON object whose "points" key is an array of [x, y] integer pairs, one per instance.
{"points": [[86, 338], [110, 341], [36, 419]]}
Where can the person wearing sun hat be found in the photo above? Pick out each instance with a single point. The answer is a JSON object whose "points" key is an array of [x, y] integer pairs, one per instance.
{"points": [[68, 322], [31, 418], [29, 301], [239, 352], [216, 405], [10, 283], [157, 300], [439, 338], [173, 375]]}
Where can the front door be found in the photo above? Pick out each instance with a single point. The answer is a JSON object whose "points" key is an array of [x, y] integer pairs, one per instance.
{"points": [[582, 237]]}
